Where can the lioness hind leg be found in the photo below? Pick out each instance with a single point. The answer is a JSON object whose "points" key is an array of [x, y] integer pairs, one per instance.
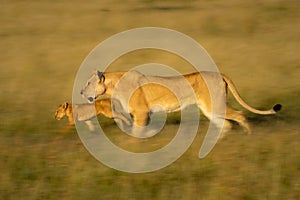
{"points": [[225, 125], [231, 114], [239, 117]]}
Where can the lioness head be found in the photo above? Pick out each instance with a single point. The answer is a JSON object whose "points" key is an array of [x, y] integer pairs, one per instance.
{"points": [[94, 87], [61, 111]]}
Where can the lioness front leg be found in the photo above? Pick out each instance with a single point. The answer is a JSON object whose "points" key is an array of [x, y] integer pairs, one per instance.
{"points": [[121, 119], [140, 121]]}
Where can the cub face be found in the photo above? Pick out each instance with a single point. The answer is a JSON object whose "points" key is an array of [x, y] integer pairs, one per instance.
{"points": [[61, 111]]}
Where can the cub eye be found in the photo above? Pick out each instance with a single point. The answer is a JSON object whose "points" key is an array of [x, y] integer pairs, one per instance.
{"points": [[88, 83]]}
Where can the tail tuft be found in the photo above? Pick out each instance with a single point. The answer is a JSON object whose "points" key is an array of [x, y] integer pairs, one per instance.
{"points": [[277, 107]]}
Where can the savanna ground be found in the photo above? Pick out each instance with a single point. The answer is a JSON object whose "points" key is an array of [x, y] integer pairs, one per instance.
{"points": [[43, 43]]}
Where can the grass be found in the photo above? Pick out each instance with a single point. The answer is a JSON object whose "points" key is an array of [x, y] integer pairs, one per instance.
{"points": [[42, 46]]}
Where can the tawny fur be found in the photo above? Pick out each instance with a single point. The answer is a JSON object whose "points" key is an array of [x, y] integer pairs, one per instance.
{"points": [[85, 112], [145, 96]]}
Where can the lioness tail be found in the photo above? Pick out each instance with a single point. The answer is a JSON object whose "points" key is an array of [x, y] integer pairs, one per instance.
{"points": [[237, 96]]}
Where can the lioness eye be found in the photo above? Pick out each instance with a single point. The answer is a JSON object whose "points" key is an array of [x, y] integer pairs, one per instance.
{"points": [[88, 83]]}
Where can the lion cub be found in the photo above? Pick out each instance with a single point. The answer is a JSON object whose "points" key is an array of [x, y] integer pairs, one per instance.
{"points": [[85, 112]]}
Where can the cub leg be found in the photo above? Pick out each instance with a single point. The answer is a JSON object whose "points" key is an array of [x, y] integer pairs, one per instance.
{"points": [[90, 125]]}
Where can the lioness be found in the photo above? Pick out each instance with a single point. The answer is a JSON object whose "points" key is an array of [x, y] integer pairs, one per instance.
{"points": [[85, 112], [141, 101]]}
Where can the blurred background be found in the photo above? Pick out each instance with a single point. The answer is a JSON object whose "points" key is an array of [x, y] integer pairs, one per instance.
{"points": [[43, 44]]}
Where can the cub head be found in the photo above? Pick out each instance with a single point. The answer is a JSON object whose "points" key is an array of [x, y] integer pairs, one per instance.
{"points": [[61, 111], [94, 87]]}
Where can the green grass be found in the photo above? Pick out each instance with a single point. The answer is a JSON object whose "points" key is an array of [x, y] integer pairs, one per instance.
{"points": [[42, 46]]}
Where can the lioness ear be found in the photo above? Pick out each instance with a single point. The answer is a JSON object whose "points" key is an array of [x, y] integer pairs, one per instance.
{"points": [[65, 105], [100, 74]]}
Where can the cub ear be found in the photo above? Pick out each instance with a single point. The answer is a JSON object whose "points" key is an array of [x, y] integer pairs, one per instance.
{"points": [[65, 105]]}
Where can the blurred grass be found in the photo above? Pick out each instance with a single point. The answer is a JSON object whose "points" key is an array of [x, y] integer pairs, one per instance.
{"points": [[42, 45]]}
